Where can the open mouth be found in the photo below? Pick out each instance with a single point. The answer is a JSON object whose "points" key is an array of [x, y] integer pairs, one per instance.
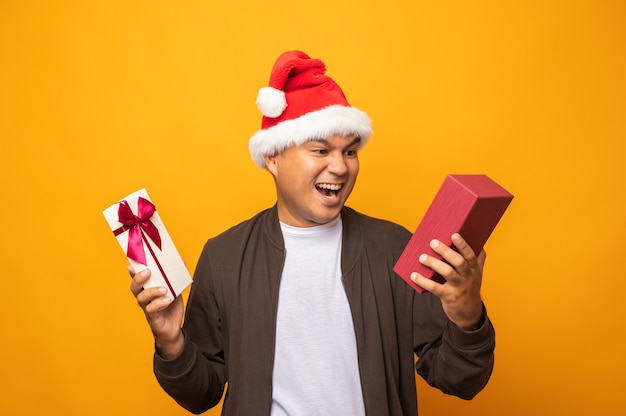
{"points": [[329, 190]]}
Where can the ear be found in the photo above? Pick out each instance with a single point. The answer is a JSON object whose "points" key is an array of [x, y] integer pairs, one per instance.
{"points": [[271, 164]]}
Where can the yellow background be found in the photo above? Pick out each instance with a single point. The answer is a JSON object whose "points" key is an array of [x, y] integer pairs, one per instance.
{"points": [[99, 99]]}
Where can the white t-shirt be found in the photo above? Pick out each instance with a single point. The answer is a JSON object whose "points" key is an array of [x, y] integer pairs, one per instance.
{"points": [[315, 365]]}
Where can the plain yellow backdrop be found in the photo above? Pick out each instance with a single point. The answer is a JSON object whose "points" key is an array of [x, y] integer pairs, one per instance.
{"points": [[99, 99]]}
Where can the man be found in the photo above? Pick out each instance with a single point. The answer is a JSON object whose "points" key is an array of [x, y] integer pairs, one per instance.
{"points": [[298, 308]]}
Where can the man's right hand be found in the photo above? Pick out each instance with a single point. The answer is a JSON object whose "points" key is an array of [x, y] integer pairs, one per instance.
{"points": [[164, 317]]}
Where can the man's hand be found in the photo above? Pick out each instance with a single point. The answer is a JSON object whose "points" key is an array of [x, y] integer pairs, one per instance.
{"points": [[164, 317], [460, 295]]}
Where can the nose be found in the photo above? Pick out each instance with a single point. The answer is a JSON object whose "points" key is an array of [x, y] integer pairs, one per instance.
{"points": [[337, 163]]}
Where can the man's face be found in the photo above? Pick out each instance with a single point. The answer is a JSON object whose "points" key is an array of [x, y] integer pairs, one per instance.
{"points": [[314, 180]]}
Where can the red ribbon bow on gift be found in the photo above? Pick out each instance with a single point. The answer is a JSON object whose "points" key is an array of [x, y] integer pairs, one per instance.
{"points": [[136, 226]]}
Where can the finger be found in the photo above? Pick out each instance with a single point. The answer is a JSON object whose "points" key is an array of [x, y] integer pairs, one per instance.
{"points": [[438, 266], [464, 249], [482, 257], [426, 284], [156, 303], [150, 295], [139, 279], [450, 256]]}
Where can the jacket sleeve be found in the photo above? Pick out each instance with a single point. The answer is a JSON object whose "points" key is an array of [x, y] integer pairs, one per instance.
{"points": [[197, 376], [455, 361]]}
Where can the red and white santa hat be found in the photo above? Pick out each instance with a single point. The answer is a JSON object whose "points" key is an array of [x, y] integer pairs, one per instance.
{"points": [[302, 103]]}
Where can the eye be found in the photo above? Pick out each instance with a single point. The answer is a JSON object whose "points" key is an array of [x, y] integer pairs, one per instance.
{"points": [[350, 152], [320, 151]]}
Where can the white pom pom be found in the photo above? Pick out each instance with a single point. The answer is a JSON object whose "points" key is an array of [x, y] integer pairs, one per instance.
{"points": [[271, 102]]}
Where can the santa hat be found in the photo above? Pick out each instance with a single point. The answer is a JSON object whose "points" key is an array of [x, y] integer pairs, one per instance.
{"points": [[300, 104]]}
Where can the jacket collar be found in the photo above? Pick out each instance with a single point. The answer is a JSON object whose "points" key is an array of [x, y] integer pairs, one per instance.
{"points": [[352, 241]]}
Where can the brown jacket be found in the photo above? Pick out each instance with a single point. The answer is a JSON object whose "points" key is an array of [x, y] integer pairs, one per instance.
{"points": [[230, 324]]}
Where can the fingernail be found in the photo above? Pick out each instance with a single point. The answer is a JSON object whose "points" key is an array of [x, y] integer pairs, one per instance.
{"points": [[434, 243], [423, 258], [162, 290], [413, 276], [456, 238], [167, 300]]}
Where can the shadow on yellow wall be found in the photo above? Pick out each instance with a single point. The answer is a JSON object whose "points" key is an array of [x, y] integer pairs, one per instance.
{"points": [[99, 100]]}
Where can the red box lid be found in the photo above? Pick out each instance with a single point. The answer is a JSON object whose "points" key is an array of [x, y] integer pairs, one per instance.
{"points": [[471, 205]]}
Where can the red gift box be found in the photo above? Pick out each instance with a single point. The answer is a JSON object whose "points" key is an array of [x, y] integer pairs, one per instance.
{"points": [[470, 205]]}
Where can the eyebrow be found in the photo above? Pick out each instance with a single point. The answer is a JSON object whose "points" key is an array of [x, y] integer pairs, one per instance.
{"points": [[356, 140]]}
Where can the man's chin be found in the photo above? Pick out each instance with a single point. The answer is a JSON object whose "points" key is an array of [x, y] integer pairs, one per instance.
{"points": [[327, 216]]}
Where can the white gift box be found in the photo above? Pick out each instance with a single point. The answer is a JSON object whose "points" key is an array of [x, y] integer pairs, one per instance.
{"points": [[135, 219]]}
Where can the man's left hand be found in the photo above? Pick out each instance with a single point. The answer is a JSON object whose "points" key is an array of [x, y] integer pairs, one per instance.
{"points": [[463, 271]]}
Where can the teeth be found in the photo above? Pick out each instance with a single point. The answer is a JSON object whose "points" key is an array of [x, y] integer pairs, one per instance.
{"points": [[329, 186]]}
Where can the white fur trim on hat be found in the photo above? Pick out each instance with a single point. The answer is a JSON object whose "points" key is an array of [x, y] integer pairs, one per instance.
{"points": [[271, 101], [335, 119]]}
